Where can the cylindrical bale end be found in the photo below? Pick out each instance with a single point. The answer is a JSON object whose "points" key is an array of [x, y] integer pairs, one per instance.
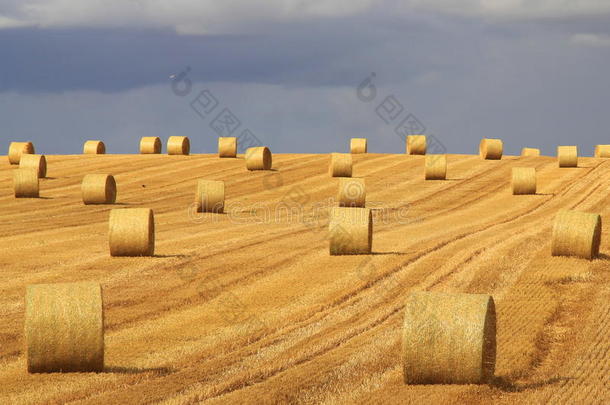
{"points": [[524, 180], [602, 151], [491, 149], [576, 234], [227, 147], [436, 167], [416, 144], [340, 165], [16, 149], [258, 158], [567, 156], [36, 162], [94, 148], [352, 192], [98, 189], [132, 232], [178, 145], [210, 196], [358, 145], [25, 183], [530, 152], [150, 145], [351, 231]]}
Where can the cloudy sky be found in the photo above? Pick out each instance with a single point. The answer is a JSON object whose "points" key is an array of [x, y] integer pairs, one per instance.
{"points": [[305, 76]]}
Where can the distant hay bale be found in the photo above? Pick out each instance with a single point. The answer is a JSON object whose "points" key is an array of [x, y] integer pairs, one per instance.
{"points": [[340, 165], [178, 145], [602, 151], [416, 144], [227, 147], [64, 327], [25, 183], [36, 162], [258, 158], [94, 148], [358, 145], [491, 149], [436, 167], [132, 232], [210, 196], [576, 234], [449, 338], [16, 149], [530, 152], [567, 156], [352, 192], [524, 180], [150, 145], [350, 230], [98, 189]]}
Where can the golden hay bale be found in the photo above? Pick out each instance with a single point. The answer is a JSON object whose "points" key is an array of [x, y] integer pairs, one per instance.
{"points": [[436, 167], [350, 230], [98, 189], [602, 151], [25, 183], [150, 145], [132, 232], [416, 144], [94, 148], [178, 145], [524, 180], [530, 152], [16, 149], [491, 149], [210, 196], [357, 145], [227, 147], [36, 162], [258, 158], [340, 165], [64, 327], [576, 234], [449, 338], [352, 192], [567, 156]]}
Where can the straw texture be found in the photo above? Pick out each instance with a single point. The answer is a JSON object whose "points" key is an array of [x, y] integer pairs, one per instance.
{"points": [[524, 180], [358, 145], [351, 231], [64, 327], [227, 147], [491, 149], [567, 156], [436, 167], [210, 196], [16, 149], [94, 148], [132, 232], [36, 162], [258, 158], [530, 152], [98, 189], [449, 338], [178, 145], [416, 144], [352, 192], [602, 151], [340, 165], [25, 183], [150, 145], [576, 234]]}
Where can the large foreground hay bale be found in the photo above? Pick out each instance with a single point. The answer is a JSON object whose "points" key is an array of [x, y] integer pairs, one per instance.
{"points": [[94, 148], [351, 231], [491, 149], [178, 145], [132, 232], [16, 149], [64, 327], [258, 158], [567, 156], [227, 147], [530, 152], [150, 145], [449, 338], [25, 183], [98, 189], [576, 234], [340, 165], [436, 167], [602, 151], [352, 192], [210, 196], [358, 145], [524, 180], [416, 144], [36, 162]]}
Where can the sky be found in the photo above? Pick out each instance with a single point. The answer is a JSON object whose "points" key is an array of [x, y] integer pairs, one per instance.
{"points": [[306, 76]]}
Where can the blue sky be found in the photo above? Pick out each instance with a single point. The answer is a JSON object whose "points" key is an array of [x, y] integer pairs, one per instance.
{"points": [[532, 72]]}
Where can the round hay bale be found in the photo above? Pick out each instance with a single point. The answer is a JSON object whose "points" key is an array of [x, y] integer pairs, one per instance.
{"points": [[25, 183], [94, 148], [416, 144], [524, 180], [64, 327], [210, 196], [449, 338], [178, 145], [227, 147], [132, 232], [358, 145], [602, 151], [567, 156], [436, 167], [36, 162], [16, 149], [577, 234], [340, 165], [491, 149], [150, 145], [98, 189], [258, 158], [350, 230], [530, 152], [352, 192]]}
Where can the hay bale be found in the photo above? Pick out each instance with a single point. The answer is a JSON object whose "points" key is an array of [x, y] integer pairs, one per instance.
{"points": [[227, 147], [491, 149], [16, 149], [98, 189], [210, 196], [524, 180], [150, 145], [94, 148], [436, 167], [567, 156], [258, 158], [352, 192], [132, 232], [25, 183], [36, 162], [358, 145], [602, 151], [449, 338], [178, 145], [350, 230], [530, 152], [340, 165], [416, 144], [64, 327], [576, 234]]}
